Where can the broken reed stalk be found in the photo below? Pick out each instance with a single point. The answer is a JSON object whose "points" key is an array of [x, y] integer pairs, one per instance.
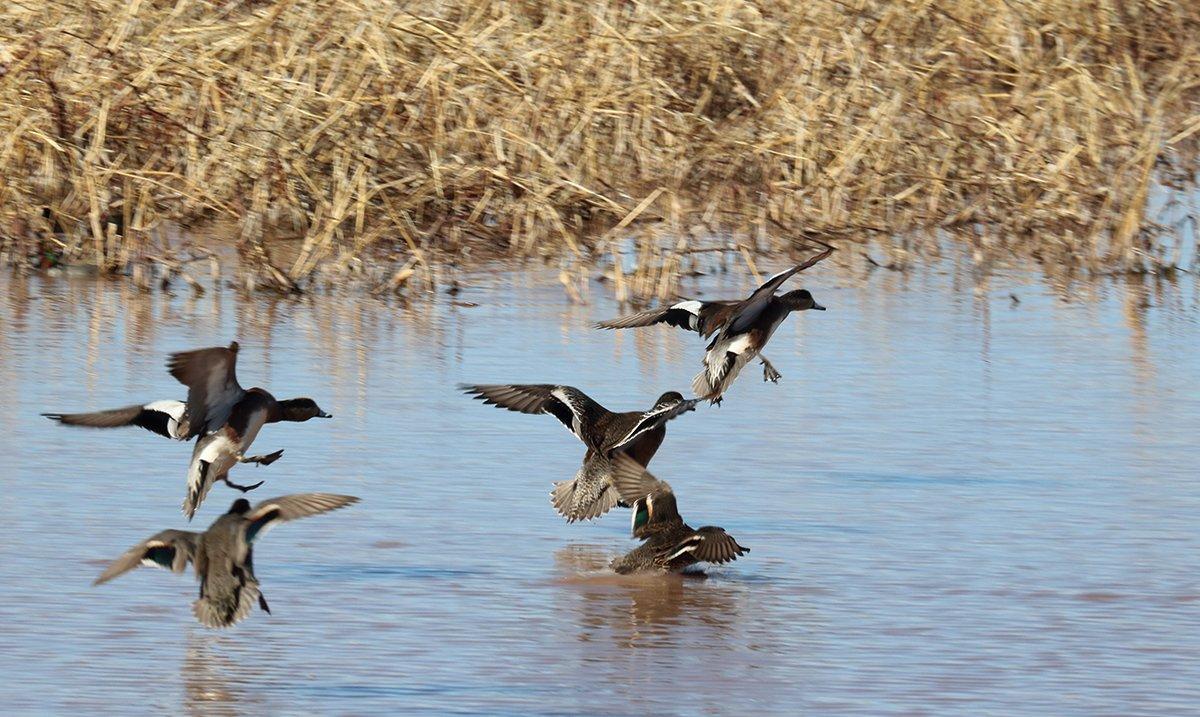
{"points": [[560, 129]]}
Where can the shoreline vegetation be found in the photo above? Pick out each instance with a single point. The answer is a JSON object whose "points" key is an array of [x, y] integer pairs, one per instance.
{"points": [[342, 138]]}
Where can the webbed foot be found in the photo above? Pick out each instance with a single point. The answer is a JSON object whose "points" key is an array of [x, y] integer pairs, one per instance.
{"points": [[769, 372], [243, 488], [266, 460]]}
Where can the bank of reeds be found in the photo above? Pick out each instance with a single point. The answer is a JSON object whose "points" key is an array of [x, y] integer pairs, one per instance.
{"points": [[334, 135]]}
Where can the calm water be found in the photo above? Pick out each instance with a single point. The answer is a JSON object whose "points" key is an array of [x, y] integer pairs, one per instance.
{"points": [[956, 505]]}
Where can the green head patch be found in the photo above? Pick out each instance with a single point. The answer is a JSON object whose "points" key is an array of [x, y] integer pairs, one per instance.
{"points": [[641, 515]]}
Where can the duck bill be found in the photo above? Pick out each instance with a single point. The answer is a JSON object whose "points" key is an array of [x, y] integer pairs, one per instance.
{"points": [[817, 307], [322, 414]]}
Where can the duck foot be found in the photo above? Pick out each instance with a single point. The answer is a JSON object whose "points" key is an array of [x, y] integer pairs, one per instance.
{"points": [[243, 488], [769, 372], [266, 460]]}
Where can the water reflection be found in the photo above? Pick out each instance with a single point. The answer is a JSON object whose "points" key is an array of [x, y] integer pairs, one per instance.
{"points": [[214, 680], [644, 611], [1035, 451]]}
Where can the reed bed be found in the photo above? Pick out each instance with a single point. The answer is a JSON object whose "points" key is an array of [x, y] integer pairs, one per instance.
{"points": [[341, 137]]}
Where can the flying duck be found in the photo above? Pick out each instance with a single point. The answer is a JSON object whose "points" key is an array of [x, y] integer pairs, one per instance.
{"points": [[668, 544], [161, 417], [223, 555], [590, 493], [225, 417], [742, 328]]}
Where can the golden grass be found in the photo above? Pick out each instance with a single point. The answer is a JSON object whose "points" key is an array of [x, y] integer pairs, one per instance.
{"points": [[564, 129]]}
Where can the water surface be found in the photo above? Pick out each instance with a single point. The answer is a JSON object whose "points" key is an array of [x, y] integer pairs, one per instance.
{"points": [[957, 503]]}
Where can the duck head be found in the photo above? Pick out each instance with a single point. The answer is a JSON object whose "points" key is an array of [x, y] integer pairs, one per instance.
{"points": [[241, 506], [300, 409], [800, 300], [670, 398]]}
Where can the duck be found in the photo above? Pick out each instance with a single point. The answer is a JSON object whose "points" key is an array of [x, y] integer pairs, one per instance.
{"points": [[590, 494], [224, 417], [669, 545], [161, 417], [740, 328], [223, 556]]}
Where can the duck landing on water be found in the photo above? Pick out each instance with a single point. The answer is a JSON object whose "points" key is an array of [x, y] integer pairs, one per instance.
{"points": [[639, 434], [668, 544]]}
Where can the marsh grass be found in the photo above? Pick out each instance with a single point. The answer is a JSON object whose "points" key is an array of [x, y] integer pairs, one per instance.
{"points": [[350, 136]]}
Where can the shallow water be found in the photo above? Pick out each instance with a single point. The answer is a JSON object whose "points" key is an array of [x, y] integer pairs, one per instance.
{"points": [[956, 504]]}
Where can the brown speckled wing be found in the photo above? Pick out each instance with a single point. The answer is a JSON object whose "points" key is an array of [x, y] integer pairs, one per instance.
{"points": [[170, 549], [273, 511], [714, 545]]}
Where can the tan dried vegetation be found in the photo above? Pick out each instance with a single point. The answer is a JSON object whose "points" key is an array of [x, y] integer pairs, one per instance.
{"points": [[343, 136]]}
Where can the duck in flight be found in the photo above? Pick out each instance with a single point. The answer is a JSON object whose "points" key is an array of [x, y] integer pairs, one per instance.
{"points": [[606, 434], [740, 329], [224, 417], [668, 543], [223, 555]]}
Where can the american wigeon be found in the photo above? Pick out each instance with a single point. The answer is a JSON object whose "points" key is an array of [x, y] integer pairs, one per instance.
{"points": [[225, 417], [639, 434], [669, 544], [223, 555], [742, 328]]}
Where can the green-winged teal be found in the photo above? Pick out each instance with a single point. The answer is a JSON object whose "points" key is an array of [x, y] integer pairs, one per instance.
{"points": [[223, 555], [669, 544], [590, 493], [742, 328]]}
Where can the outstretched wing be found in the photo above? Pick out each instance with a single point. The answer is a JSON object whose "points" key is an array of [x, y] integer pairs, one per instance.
{"points": [[572, 407], [213, 389], [654, 418], [700, 316], [633, 482], [161, 417], [273, 511], [710, 544], [170, 549], [749, 310]]}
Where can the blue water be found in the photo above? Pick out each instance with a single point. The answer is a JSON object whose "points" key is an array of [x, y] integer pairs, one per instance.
{"points": [[956, 504]]}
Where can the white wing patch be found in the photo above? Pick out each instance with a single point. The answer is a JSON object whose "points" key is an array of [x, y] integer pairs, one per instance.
{"points": [[692, 307], [174, 409], [692, 544], [565, 397]]}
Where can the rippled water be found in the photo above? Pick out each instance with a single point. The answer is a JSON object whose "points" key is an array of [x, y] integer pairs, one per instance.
{"points": [[956, 503]]}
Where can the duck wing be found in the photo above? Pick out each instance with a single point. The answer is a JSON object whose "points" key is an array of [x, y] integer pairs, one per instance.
{"points": [[702, 317], [572, 407], [161, 417], [744, 315], [273, 511], [633, 482], [653, 419], [170, 549], [213, 390], [709, 544]]}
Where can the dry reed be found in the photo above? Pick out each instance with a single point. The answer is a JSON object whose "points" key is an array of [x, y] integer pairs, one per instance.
{"points": [[339, 135]]}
